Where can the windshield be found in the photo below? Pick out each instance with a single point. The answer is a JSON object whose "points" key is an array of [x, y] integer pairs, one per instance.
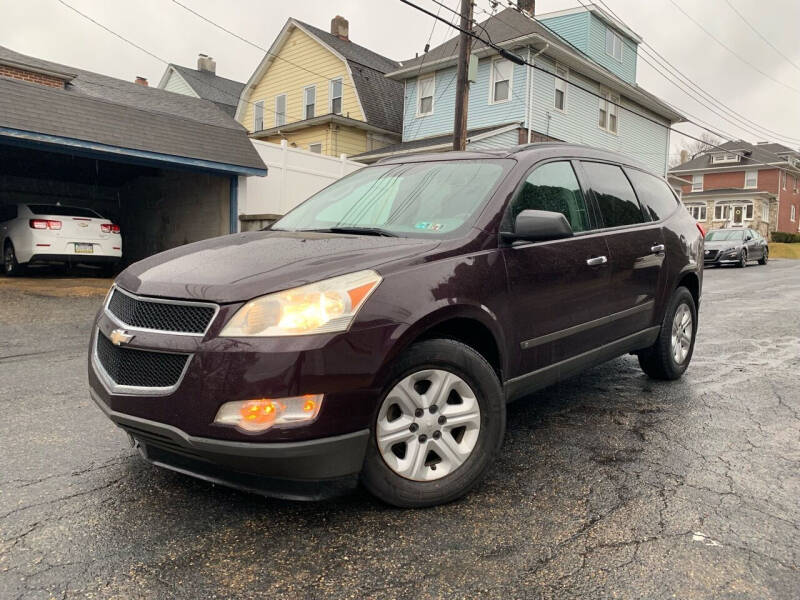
{"points": [[431, 199], [724, 235]]}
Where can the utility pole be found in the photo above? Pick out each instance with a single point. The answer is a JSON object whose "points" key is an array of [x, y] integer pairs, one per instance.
{"points": [[462, 81]]}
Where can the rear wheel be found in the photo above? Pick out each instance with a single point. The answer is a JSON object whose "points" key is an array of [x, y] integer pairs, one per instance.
{"points": [[10, 265], [763, 260], [669, 357], [742, 259], [439, 425]]}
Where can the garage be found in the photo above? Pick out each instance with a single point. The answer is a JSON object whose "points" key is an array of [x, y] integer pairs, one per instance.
{"points": [[162, 166]]}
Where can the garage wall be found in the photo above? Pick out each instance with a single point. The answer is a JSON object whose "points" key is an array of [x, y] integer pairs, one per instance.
{"points": [[172, 208]]}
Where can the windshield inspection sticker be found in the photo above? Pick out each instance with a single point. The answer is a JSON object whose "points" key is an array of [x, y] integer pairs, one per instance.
{"points": [[429, 226]]}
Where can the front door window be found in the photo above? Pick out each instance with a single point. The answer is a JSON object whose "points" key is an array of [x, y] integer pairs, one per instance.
{"points": [[738, 216]]}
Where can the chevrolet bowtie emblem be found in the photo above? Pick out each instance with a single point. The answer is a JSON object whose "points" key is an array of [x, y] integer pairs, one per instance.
{"points": [[119, 337]]}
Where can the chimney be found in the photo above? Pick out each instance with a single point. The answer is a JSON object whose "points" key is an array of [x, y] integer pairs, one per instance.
{"points": [[528, 6], [684, 156], [206, 64], [340, 28], [141, 81]]}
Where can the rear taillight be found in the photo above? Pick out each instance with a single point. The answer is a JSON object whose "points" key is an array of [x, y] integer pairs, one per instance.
{"points": [[109, 228], [44, 224], [701, 230]]}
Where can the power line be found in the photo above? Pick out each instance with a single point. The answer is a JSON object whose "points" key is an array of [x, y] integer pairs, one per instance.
{"points": [[519, 60], [762, 36], [729, 49], [648, 50], [158, 58]]}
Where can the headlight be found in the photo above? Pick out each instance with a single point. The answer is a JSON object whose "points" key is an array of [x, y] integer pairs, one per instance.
{"points": [[323, 307], [255, 416]]}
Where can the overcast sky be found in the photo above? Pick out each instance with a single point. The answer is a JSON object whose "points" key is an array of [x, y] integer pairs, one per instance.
{"points": [[49, 30]]}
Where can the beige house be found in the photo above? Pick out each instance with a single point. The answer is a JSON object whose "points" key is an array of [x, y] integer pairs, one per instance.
{"points": [[321, 92]]}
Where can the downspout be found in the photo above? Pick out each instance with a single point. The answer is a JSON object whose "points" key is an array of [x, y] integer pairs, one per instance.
{"points": [[529, 94], [234, 205]]}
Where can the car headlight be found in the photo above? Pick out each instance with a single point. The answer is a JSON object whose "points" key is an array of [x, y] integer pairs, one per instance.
{"points": [[322, 307]]}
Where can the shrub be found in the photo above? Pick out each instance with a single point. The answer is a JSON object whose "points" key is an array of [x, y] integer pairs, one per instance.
{"points": [[785, 237]]}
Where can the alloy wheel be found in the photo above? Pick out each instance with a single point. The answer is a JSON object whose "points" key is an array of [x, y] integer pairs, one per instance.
{"points": [[681, 333], [743, 259], [8, 259], [428, 425]]}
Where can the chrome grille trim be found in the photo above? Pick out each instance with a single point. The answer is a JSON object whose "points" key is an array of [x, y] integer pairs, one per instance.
{"points": [[149, 299], [130, 390]]}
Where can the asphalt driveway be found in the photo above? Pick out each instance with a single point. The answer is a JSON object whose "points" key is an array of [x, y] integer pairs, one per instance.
{"points": [[609, 485]]}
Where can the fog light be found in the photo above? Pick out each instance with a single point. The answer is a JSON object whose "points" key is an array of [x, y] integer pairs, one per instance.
{"points": [[255, 416]]}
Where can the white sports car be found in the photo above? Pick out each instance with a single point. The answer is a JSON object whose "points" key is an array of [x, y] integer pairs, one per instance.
{"points": [[51, 233]]}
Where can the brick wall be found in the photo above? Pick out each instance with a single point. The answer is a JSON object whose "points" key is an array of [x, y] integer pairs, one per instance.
{"points": [[789, 197], [15, 73]]}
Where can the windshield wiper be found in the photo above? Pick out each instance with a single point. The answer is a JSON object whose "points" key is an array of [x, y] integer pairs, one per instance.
{"points": [[357, 230]]}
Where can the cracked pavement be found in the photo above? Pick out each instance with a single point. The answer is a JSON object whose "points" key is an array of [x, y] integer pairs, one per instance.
{"points": [[609, 485]]}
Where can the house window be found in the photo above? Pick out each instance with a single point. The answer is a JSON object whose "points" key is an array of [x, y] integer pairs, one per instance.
{"points": [[280, 110], [785, 176], [613, 44], [425, 89], [310, 95], [502, 71], [697, 183], [725, 157], [258, 116], [698, 211], [608, 112], [315, 148], [748, 212], [721, 212], [793, 213], [765, 212], [335, 92], [750, 178], [795, 184], [560, 100]]}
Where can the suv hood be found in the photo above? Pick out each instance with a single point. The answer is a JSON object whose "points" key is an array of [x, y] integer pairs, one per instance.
{"points": [[235, 268], [723, 244]]}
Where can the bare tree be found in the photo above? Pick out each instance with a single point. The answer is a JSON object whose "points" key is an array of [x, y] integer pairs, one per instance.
{"points": [[693, 147]]}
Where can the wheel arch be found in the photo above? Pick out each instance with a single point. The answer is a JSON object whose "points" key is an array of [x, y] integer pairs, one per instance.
{"points": [[691, 281], [474, 326]]}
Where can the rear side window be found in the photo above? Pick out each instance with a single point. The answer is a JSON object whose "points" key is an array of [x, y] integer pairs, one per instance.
{"points": [[552, 187], [62, 211], [614, 194], [654, 193]]}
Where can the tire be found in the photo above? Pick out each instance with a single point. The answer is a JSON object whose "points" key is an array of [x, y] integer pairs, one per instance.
{"points": [[742, 259], [11, 268], [421, 364], [659, 360], [763, 260]]}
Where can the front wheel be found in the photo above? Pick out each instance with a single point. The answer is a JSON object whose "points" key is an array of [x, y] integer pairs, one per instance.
{"points": [[742, 259], [439, 425], [763, 260], [670, 355]]}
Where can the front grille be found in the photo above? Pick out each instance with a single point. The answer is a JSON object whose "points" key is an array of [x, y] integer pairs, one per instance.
{"points": [[162, 316], [710, 255], [140, 368]]}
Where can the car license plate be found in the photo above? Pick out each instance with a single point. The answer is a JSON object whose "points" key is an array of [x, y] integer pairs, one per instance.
{"points": [[84, 248]]}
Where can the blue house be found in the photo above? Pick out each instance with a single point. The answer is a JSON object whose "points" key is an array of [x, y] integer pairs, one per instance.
{"points": [[510, 104]]}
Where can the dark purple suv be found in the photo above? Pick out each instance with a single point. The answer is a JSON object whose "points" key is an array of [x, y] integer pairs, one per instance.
{"points": [[377, 331]]}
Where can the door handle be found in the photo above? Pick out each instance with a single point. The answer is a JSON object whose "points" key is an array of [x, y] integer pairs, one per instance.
{"points": [[597, 260], [657, 248]]}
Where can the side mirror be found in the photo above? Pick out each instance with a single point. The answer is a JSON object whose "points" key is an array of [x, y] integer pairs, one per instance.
{"points": [[747, 238], [539, 225]]}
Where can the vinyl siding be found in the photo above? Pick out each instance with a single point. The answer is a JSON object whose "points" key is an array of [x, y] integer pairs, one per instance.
{"points": [[597, 51], [343, 140], [176, 83], [587, 32], [574, 28], [636, 137], [283, 77], [480, 112], [501, 140]]}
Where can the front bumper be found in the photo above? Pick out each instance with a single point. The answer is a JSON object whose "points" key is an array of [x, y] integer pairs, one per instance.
{"points": [[307, 470]]}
